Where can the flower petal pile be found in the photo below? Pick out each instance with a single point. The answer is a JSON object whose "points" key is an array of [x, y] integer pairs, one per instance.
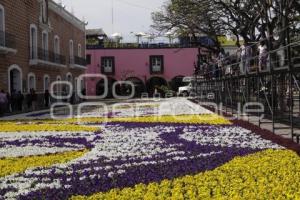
{"points": [[146, 152]]}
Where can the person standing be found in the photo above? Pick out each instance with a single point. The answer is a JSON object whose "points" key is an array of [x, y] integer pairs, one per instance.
{"points": [[29, 99], [245, 58], [8, 104], [3, 101], [263, 56], [47, 98], [221, 59], [20, 99], [34, 99], [14, 101]]}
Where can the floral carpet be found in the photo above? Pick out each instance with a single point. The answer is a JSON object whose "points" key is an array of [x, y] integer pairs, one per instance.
{"points": [[171, 149]]}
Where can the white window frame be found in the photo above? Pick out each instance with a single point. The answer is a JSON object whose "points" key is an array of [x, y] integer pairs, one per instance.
{"points": [[108, 65], [79, 51], [157, 64], [71, 51], [29, 76], [3, 22], [12, 67], [56, 46], [58, 86], [45, 44], [43, 11], [46, 76], [69, 74], [33, 41]]}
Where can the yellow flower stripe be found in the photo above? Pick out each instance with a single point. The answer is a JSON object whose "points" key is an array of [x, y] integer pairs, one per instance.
{"points": [[210, 119], [271, 174], [10, 166], [10, 127]]}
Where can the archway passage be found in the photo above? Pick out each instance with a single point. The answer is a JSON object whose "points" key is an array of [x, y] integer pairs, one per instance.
{"points": [[156, 83], [100, 87], [15, 81], [139, 86], [177, 82]]}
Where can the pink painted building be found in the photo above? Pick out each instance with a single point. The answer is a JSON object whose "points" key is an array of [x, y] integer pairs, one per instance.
{"points": [[147, 68]]}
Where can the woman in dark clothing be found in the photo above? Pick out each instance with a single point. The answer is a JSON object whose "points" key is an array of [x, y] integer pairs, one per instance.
{"points": [[47, 98], [29, 100], [8, 97], [20, 99], [34, 99]]}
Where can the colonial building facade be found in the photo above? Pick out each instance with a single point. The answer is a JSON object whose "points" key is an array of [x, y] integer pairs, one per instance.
{"points": [[40, 42], [147, 68]]}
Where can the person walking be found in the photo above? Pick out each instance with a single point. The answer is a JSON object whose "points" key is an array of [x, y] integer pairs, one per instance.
{"points": [[3, 102]]}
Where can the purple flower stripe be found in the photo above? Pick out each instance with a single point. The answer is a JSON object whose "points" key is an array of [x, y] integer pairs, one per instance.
{"points": [[50, 140], [143, 173]]}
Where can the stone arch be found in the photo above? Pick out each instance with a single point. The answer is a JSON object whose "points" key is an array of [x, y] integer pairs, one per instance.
{"points": [[139, 85], [100, 87], [177, 82], [155, 82], [15, 75]]}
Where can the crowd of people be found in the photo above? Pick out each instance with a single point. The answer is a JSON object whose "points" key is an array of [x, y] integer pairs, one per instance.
{"points": [[14, 102], [247, 57], [17, 102]]}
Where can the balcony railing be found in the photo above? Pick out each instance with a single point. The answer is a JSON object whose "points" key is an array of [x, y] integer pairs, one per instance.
{"points": [[141, 46], [7, 40], [51, 57], [78, 61]]}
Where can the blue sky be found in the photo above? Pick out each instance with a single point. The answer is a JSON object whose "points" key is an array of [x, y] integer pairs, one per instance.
{"points": [[129, 15]]}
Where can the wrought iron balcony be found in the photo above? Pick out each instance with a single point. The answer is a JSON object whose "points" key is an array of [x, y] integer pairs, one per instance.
{"points": [[49, 56], [77, 61], [80, 61], [7, 41]]}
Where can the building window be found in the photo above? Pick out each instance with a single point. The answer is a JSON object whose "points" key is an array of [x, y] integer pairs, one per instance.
{"points": [[71, 51], [79, 51], [88, 59], [44, 11], [46, 82], [45, 45], [2, 26], [33, 42], [31, 82], [56, 45], [108, 65], [45, 40], [69, 77], [58, 87], [156, 64]]}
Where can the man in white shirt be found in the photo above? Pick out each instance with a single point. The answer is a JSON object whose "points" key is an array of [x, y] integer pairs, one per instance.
{"points": [[263, 56]]}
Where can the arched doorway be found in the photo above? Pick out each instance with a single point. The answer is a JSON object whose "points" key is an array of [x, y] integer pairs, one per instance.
{"points": [[100, 87], [31, 82], [177, 82], [139, 85], [15, 79], [155, 82]]}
